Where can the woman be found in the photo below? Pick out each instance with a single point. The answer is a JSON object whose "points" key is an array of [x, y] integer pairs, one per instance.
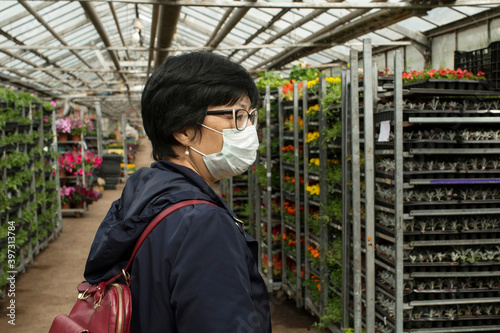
{"points": [[197, 271]]}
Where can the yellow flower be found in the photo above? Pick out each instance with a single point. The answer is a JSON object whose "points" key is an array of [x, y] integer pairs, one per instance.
{"points": [[313, 108], [333, 79], [314, 161], [311, 136], [313, 189], [312, 83]]}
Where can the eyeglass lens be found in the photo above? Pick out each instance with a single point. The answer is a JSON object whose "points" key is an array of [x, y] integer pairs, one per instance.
{"points": [[242, 117]]}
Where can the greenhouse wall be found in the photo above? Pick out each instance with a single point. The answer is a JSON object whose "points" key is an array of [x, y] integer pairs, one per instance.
{"points": [[443, 42], [473, 38], [413, 58]]}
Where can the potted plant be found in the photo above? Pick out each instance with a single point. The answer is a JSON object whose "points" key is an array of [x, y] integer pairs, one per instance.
{"points": [[63, 128], [80, 127], [65, 193]]}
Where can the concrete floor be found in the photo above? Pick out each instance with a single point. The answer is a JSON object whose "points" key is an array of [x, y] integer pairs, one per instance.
{"points": [[48, 287]]}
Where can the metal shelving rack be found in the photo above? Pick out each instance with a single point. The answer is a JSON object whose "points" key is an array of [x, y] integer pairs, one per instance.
{"points": [[79, 180], [320, 236], [292, 287], [437, 224], [31, 209], [270, 251]]}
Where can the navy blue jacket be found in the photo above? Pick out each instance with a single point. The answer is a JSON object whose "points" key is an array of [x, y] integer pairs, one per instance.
{"points": [[196, 272]]}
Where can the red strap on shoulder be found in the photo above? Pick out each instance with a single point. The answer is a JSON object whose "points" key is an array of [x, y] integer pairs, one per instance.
{"points": [[153, 224]]}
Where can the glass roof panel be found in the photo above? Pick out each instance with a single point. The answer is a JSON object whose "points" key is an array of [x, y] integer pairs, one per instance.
{"points": [[442, 16], [417, 24], [470, 10]]}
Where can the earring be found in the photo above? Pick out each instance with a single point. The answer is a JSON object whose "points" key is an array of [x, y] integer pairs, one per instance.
{"points": [[186, 153]]}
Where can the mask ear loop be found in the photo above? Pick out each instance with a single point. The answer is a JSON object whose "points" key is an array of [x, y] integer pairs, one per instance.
{"points": [[216, 131], [199, 152]]}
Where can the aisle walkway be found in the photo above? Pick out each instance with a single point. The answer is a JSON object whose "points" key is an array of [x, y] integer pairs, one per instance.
{"points": [[49, 285]]}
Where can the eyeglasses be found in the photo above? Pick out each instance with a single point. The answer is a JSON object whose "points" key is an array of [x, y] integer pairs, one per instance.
{"points": [[240, 116]]}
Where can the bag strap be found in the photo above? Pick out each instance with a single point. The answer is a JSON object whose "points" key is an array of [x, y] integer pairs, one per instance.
{"points": [[150, 228]]}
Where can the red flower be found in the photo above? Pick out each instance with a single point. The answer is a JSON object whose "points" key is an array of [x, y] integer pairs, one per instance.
{"points": [[479, 73]]}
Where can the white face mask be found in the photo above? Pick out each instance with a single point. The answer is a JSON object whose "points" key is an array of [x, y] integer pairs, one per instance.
{"points": [[237, 155]]}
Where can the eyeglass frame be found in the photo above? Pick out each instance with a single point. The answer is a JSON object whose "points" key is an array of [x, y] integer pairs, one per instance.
{"points": [[233, 112]]}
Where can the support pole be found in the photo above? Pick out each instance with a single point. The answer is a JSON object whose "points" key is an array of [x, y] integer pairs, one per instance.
{"points": [[125, 149], [356, 193], [99, 128], [296, 143], [369, 185], [346, 198], [398, 179], [269, 189]]}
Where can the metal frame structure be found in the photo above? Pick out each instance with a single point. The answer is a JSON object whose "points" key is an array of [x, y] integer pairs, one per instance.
{"points": [[107, 49]]}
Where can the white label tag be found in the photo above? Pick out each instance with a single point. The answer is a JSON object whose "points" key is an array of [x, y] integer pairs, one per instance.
{"points": [[385, 129]]}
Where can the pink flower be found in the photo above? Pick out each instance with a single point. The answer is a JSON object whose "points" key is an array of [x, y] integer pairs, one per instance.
{"points": [[54, 104]]}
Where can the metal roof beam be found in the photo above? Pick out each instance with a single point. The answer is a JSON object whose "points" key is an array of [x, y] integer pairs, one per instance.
{"points": [[6, 78], [230, 24], [167, 24], [40, 19], [117, 22], [342, 34], [219, 25], [313, 5], [29, 62], [96, 21], [466, 22], [265, 27], [343, 20], [420, 41], [152, 38], [290, 28]]}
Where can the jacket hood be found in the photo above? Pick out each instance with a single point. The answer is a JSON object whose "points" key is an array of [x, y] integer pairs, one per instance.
{"points": [[147, 193]]}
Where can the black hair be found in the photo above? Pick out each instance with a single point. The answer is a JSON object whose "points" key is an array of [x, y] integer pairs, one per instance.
{"points": [[179, 92]]}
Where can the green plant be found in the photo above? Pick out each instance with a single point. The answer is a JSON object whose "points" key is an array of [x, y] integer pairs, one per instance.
{"points": [[332, 133], [301, 71], [333, 313], [313, 285], [270, 78]]}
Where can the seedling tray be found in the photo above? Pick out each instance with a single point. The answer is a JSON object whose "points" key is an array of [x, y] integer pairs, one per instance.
{"points": [[450, 144], [445, 175], [443, 322], [479, 266], [440, 294], [433, 235], [452, 84], [449, 204]]}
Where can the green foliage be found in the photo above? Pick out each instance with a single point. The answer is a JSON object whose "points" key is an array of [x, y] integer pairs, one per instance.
{"points": [[333, 313], [333, 95], [261, 174], [270, 78], [14, 159], [312, 286], [302, 72], [334, 208], [334, 174], [333, 132]]}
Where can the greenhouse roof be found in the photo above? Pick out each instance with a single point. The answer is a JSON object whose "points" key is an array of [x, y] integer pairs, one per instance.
{"points": [[105, 50]]}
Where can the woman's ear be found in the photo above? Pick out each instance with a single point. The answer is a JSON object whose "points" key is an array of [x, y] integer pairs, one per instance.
{"points": [[185, 135]]}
